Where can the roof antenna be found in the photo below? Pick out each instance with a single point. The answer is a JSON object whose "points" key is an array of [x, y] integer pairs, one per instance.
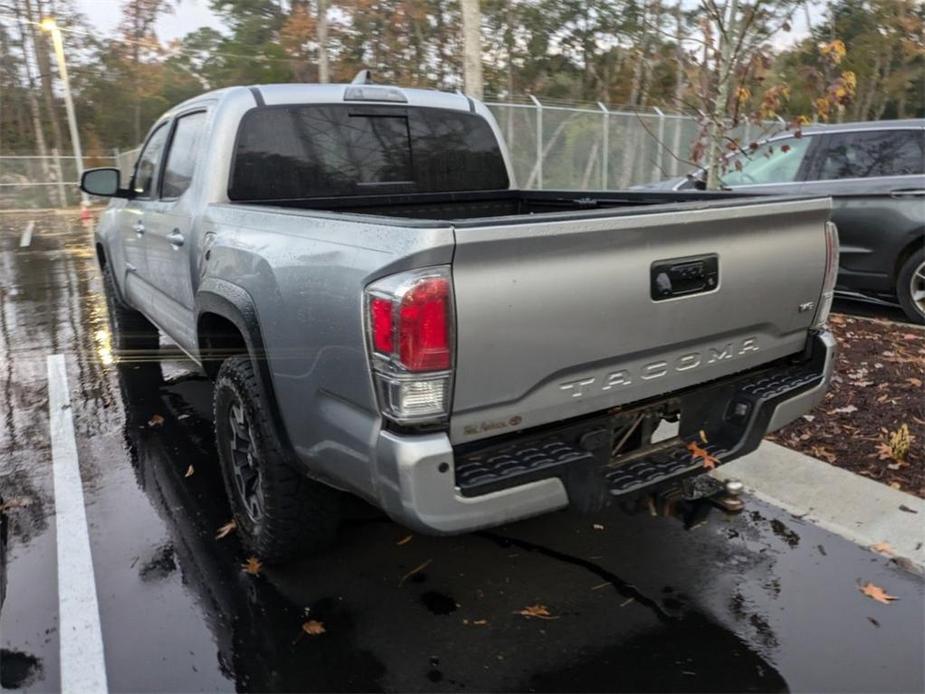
{"points": [[363, 77]]}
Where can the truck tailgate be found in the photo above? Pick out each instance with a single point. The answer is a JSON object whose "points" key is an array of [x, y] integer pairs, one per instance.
{"points": [[557, 318]]}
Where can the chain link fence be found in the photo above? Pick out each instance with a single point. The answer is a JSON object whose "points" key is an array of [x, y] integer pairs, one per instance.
{"points": [[552, 147]]}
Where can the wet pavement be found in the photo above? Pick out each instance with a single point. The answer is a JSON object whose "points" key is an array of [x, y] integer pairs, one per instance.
{"points": [[762, 601]]}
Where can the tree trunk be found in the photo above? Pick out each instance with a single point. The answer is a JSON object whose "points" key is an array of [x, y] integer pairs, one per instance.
{"points": [[472, 48], [324, 75], [34, 110], [724, 74], [678, 102]]}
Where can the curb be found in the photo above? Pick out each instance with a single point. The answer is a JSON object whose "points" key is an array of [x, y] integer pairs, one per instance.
{"points": [[854, 507]]}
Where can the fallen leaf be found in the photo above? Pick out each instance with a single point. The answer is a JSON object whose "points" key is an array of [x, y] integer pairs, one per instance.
{"points": [[313, 627], [884, 452], [884, 548], [226, 529], [252, 566], [917, 382], [877, 593], [703, 436], [405, 540], [848, 409], [156, 421], [709, 461], [189, 471], [21, 502], [538, 611], [416, 569]]}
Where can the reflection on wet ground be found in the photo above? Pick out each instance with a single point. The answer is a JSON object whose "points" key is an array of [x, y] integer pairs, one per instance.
{"points": [[758, 602]]}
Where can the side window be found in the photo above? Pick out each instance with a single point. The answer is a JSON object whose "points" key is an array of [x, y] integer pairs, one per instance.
{"points": [[773, 162], [146, 168], [875, 153], [184, 150]]}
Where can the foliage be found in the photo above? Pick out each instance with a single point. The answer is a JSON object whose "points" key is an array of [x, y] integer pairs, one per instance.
{"points": [[722, 63]]}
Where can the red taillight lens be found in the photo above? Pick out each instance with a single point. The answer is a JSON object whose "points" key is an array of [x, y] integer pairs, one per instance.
{"points": [[380, 318], [424, 326]]}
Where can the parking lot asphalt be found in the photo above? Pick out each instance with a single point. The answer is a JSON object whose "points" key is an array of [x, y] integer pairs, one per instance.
{"points": [[760, 601]]}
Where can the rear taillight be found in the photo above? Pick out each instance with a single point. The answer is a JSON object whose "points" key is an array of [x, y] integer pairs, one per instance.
{"points": [[831, 276], [409, 324]]}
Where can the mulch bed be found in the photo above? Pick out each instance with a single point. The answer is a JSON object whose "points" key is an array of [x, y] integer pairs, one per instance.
{"points": [[876, 389]]}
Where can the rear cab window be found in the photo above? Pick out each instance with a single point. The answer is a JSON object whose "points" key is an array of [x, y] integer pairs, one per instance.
{"points": [[331, 150]]}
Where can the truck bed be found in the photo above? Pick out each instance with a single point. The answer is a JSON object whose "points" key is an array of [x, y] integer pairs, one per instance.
{"points": [[466, 208]]}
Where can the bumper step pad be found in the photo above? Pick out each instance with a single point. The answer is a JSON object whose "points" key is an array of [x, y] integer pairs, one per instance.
{"points": [[737, 411], [653, 469], [482, 473]]}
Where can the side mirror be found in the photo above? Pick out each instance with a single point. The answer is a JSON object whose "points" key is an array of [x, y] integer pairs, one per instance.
{"points": [[103, 183]]}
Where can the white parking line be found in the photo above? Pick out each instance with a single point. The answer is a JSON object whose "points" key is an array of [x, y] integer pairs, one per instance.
{"points": [[83, 667], [26, 237]]}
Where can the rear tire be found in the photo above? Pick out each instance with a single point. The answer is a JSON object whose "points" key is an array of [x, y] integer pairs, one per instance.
{"points": [[280, 513], [910, 287], [133, 335]]}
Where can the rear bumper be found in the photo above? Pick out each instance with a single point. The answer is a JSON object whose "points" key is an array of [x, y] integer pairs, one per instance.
{"points": [[418, 487]]}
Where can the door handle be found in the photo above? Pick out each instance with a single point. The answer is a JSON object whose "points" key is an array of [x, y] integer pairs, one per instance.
{"points": [[176, 238], [908, 193], [139, 227]]}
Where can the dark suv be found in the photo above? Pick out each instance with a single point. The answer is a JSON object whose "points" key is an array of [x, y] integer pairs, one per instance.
{"points": [[875, 172]]}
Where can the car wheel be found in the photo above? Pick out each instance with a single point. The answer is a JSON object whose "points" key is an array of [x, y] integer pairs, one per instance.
{"points": [[910, 287], [280, 513], [133, 335]]}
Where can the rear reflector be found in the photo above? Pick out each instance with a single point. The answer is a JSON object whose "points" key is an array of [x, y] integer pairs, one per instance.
{"points": [[380, 316]]}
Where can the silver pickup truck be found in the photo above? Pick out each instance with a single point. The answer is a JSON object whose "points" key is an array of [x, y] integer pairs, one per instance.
{"points": [[383, 312]]}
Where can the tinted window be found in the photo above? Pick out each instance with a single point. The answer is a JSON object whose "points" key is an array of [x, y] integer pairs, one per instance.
{"points": [[146, 168], [181, 159], [866, 154], [773, 162], [330, 150]]}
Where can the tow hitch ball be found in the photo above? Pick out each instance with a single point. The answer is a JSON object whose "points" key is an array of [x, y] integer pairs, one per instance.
{"points": [[695, 498]]}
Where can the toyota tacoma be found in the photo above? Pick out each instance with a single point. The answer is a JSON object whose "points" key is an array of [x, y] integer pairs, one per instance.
{"points": [[383, 312]]}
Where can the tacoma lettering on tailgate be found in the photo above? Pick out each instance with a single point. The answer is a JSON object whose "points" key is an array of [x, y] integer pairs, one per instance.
{"points": [[656, 369]]}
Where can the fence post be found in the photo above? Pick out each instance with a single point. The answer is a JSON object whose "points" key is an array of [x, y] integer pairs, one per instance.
{"points": [[748, 133], [62, 193], [539, 141], [657, 171], [605, 144]]}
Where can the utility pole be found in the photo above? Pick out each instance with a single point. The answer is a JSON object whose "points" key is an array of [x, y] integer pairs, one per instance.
{"points": [[50, 25], [472, 48]]}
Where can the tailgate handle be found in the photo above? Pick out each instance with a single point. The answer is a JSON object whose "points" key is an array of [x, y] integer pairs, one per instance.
{"points": [[678, 277]]}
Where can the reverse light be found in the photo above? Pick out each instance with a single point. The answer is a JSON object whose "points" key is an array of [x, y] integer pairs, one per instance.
{"points": [[831, 276], [409, 322]]}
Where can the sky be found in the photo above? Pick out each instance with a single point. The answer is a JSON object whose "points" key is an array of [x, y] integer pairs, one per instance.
{"points": [[188, 16]]}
